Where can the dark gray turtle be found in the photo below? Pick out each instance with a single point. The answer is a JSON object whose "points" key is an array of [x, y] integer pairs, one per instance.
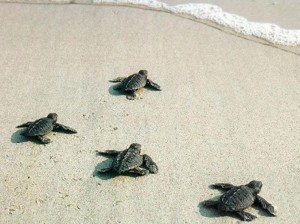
{"points": [[130, 160], [43, 126], [135, 83], [238, 198]]}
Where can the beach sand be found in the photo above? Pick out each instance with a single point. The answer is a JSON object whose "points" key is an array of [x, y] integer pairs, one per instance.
{"points": [[228, 112]]}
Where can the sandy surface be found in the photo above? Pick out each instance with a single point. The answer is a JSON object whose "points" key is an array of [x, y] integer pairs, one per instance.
{"points": [[228, 112]]}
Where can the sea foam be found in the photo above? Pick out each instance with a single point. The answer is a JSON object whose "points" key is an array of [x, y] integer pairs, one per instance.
{"points": [[270, 32]]}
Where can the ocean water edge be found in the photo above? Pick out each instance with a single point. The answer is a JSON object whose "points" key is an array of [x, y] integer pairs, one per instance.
{"points": [[269, 32]]}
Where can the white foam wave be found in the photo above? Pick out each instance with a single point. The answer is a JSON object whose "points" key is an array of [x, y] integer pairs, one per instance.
{"points": [[270, 32]]}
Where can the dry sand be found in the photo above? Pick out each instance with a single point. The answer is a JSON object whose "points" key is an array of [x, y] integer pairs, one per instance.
{"points": [[228, 112]]}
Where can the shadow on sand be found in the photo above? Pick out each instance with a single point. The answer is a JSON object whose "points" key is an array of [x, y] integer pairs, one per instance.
{"points": [[17, 137], [214, 213], [115, 92], [210, 212], [111, 174], [103, 176]]}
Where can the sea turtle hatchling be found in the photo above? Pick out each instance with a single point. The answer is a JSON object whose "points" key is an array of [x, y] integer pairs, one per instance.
{"points": [[130, 160], [238, 198], [135, 83], [39, 128]]}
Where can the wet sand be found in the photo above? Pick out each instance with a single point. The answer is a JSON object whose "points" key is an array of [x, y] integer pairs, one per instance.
{"points": [[228, 112]]}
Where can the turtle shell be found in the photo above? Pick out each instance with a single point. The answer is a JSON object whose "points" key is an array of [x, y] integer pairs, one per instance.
{"points": [[237, 199], [134, 82], [40, 127], [127, 160]]}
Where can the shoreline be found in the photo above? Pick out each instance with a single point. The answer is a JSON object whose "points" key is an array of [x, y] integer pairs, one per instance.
{"points": [[213, 16]]}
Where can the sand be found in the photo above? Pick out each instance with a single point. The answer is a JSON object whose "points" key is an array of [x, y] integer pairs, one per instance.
{"points": [[228, 112]]}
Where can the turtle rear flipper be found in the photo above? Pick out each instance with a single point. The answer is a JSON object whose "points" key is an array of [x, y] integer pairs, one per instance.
{"points": [[118, 79], [266, 205], [246, 216], [25, 125], [152, 84], [64, 128], [150, 164]]}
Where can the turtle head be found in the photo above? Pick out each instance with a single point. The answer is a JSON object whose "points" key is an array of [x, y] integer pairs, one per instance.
{"points": [[143, 72], [53, 117], [255, 185], [136, 146]]}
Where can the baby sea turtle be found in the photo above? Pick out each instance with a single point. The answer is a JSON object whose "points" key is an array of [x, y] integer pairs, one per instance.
{"points": [[130, 160], [135, 83], [39, 128], [238, 198]]}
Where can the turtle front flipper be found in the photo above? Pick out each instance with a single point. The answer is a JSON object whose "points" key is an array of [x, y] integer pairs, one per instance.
{"points": [[150, 164], [223, 186], [25, 125], [152, 84], [60, 127], [118, 79], [43, 139], [139, 171], [245, 216], [266, 205]]}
